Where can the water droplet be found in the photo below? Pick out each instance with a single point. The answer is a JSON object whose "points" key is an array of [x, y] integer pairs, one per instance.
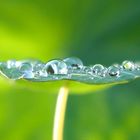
{"points": [[56, 67], [27, 70], [38, 66], [73, 62], [13, 64], [128, 65], [26, 67], [113, 71], [10, 69], [120, 67], [97, 69], [137, 66], [38, 70], [87, 70], [103, 73]]}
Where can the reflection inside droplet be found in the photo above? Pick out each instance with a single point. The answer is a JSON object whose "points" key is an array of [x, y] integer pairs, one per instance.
{"points": [[113, 71], [51, 70]]}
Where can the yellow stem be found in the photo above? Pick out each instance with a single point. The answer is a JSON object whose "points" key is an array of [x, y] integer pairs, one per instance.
{"points": [[60, 113]]}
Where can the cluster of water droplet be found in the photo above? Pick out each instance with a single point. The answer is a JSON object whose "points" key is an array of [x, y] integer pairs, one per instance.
{"points": [[32, 69]]}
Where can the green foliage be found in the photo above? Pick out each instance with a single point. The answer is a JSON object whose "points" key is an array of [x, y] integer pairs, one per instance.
{"points": [[96, 31]]}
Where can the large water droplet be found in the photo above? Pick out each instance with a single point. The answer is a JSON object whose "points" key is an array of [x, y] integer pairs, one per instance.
{"points": [[56, 67], [73, 62], [128, 65], [97, 69], [27, 70], [113, 71]]}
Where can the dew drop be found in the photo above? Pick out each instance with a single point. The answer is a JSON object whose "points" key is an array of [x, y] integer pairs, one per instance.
{"points": [[38, 70], [27, 70], [87, 70], [113, 71], [73, 62], [120, 67], [103, 73], [26, 67], [97, 69], [13, 64], [62, 68], [137, 66], [38, 67], [10, 69], [128, 65], [56, 67]]}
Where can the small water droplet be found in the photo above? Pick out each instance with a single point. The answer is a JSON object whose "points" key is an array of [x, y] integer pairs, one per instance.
{"points": [[56, 67], [38, 66], [113, 71], [87, 70], [120, 67], [103, 73], [26, 67], [73, 62], [97, 69], [128, 65], [38, 69], [27, 70], [13, 64], [10, 69], [137, 66]]}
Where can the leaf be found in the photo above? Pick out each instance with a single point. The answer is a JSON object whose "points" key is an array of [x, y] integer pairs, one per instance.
{"points": [[70, 69], [98, 32]]}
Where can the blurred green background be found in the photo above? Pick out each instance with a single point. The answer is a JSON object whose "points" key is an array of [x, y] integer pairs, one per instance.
{"points": [[97, 31]]}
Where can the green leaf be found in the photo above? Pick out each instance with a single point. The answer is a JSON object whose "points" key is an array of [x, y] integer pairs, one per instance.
{"points": [[96, 31], [70, 69]]}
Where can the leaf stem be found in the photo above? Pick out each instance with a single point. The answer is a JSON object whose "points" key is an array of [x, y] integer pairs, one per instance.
{"points": [[60, 113]]}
